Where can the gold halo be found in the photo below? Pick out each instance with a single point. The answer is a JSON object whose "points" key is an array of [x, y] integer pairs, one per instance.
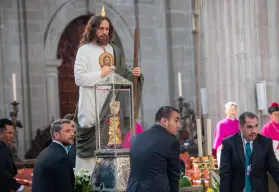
{"points": [[103, 13], [104, 55]]}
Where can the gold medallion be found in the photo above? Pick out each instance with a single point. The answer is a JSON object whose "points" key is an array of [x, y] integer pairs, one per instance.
{"points": [[106, 59]]}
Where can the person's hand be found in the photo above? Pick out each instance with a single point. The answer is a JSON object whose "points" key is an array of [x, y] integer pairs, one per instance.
{"points": [[105, 70], [136, 71]]}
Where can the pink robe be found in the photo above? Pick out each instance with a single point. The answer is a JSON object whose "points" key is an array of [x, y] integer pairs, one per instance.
{"points": [[224, 129], [271, 130], [127, 139]]}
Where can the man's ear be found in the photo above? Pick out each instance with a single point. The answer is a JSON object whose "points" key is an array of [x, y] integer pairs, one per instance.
{"points": [[55, 135], [164, 121]]}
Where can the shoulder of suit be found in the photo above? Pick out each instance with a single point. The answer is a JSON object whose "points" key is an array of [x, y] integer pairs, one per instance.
{"points": [[231, 138], [3, 146], [262, 138]]}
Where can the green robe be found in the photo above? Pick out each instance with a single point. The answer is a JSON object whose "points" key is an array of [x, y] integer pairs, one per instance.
{"points": [[86, 137]]}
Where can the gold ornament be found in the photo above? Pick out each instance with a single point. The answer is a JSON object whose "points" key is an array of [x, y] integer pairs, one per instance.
{"points": [[106, 59], [103, 13], [115, 139]]}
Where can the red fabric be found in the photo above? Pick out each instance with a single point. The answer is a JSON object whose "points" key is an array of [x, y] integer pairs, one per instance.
{"points": [[126, 143], [274, 104], [24, 176]]}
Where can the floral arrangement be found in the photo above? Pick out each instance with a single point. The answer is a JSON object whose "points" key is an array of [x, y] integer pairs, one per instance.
{"points": [[82, 181]]}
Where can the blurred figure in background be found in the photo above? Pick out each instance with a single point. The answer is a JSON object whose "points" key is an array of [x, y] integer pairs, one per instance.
{"points": [[126, 143], [7, 166], [271, 129], [225, 128]]}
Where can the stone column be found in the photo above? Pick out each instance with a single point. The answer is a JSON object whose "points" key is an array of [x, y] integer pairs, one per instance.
{"points": [[52, 91]]}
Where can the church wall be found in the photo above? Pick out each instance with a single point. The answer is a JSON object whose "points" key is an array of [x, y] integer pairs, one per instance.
{"points": [[153, 58], [13, 60], [240, 44], [35, 31], [181, 49]]}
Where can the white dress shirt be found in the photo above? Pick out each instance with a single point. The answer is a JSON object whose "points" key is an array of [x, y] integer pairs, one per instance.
{"points": [[244, 141]]}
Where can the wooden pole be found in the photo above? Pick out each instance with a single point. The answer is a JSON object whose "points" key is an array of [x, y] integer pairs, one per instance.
{"points": [[135, 78]]}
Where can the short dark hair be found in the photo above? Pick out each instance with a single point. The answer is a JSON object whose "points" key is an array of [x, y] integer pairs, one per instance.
{"points": [[4, 123], [164, 112], [57, 125], [242, 117]]}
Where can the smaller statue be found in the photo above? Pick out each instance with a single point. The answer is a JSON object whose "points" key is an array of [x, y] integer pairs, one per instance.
{"points": [[115, 138]]}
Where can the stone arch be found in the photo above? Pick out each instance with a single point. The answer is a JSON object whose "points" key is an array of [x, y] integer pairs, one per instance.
{"points": [[74, 9], [66, 13]]}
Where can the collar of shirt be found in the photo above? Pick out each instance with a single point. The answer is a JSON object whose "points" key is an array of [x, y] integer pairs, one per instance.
{"points": [[244, 141], [276, 123], [61, 145]]}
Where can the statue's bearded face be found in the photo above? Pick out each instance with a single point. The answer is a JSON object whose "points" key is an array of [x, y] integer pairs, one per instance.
{"points": [[102, 33]]}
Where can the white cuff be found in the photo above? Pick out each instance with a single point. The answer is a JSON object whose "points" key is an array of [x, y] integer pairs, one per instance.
{"points": [[21, 188]]}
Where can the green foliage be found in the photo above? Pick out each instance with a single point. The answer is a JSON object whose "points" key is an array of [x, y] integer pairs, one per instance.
{"points": [[82, 181], [184, 181], [217, 185]]}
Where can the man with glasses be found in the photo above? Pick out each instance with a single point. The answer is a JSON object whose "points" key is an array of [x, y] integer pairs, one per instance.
{"points": [[246, 158], [53, 170]]}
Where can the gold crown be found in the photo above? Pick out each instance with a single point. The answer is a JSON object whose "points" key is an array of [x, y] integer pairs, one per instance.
{"points": [[103, 13]]}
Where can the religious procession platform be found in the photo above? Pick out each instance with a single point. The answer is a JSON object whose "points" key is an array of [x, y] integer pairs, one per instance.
{"points": [[24, 177]]}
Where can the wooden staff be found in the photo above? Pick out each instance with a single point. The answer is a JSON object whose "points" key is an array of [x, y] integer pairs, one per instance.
{"points": [[135, 78]]}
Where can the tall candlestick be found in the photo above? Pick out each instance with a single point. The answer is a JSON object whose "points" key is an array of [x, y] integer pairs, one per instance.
{"points": [[199, 135], [14, 86], [179, 84], [209, 137]]}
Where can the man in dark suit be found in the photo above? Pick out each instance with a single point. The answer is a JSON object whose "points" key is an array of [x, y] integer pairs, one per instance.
{"points": [[155, 164], [53, 170], [246, 157], [7, 166]]}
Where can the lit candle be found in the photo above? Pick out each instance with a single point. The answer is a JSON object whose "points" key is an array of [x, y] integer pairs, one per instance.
{"points": [[199, 136], [209, 137], [14, 86], [179, 84]]}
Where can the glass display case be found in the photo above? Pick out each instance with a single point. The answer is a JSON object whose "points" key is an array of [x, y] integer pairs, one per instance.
{"points": [[114, 126], [114, 112]]}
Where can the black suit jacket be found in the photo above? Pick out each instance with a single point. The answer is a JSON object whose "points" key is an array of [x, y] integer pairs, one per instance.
{"points": [[53, 170], [72, 154], [155, 164], [232, 165], [7, 170]]}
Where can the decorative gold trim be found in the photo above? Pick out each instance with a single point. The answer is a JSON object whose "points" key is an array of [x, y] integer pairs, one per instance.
{"points": [[103, 57], [103, 13]]}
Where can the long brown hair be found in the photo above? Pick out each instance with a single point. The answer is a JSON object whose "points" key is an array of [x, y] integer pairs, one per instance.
{"points": [[90, 30]]}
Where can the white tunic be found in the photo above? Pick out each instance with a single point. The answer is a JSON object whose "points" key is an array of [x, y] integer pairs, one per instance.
{"points": [[87, 73]]}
